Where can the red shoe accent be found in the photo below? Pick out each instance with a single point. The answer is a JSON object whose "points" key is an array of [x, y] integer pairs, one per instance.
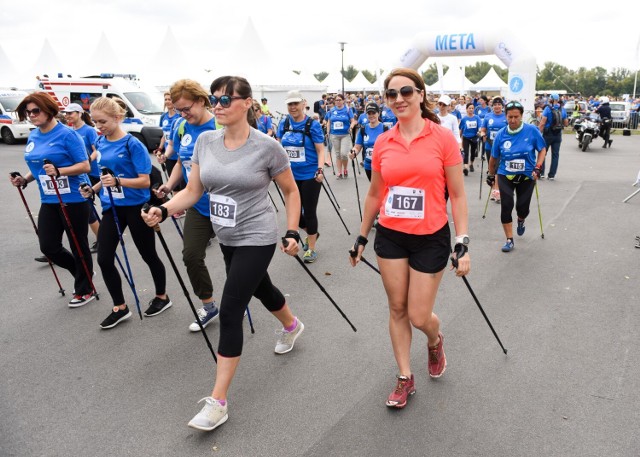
{"points": [[404, 388], [437, 359]]}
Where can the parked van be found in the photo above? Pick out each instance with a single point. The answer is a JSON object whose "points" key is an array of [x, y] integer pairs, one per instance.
{"points": [[144, 106], [11, 128]]}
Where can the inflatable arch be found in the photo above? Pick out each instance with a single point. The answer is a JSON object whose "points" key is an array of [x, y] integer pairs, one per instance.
{"points": [[517, 58]]}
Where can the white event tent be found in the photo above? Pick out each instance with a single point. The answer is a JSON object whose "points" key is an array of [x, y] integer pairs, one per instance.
{"points": [[453, 81], [491, 82]]}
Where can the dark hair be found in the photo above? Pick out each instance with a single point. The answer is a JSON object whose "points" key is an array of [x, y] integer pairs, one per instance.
{"points": [[469, 104], [413, 75], [44, 101], [514, 104], [86, 118], [239, 85]]}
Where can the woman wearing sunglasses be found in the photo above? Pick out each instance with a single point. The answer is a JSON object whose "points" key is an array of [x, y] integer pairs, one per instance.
{"points": [[448, 120], [125, 162], [413, 165], [518, 155], [192, 103], [368, 133], [340, 121], [65, 150], [303, 141], [491, 125], [235, 165]]}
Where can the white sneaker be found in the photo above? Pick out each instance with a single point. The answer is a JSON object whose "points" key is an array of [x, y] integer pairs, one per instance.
{"points": [[287, 339], [212, 415]]}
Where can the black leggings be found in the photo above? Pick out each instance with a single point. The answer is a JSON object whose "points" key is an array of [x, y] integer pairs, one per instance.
{"points": [[51, 225], [469, 147], [523, 191], [368, 173], [144, 239], [309, 194], [247, 276]]}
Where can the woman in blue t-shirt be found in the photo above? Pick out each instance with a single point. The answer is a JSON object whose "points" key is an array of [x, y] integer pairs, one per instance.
{"points": [[127, 162], [517, 156], [80, 121], [367, 136], [303, 140], [69, 164], [469, 128], [491, 125], [263, 122], [340, 121]]}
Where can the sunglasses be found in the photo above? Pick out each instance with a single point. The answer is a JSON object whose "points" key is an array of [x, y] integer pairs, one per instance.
{"points": [[511, 105], [32, 112], [185, 110], [224, 100], [405, 91]]}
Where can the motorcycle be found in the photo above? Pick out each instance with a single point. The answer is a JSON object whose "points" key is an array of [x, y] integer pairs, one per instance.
{"points": [[587, 129]]}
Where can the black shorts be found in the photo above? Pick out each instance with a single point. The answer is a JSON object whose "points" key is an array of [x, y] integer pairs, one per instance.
{"points": [[426, 253]]}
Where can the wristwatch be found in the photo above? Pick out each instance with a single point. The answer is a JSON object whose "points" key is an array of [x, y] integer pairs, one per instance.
{"points": [[464, 239]]}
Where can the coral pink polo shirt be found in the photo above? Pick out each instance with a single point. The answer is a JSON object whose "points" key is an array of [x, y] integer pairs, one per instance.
{"points": [[414, 179]]}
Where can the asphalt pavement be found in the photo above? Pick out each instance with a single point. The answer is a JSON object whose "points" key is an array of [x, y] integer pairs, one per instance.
{"points": [[565, 307]]}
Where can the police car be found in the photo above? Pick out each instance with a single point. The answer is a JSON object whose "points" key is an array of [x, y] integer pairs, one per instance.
{"points": [[11, 128]]}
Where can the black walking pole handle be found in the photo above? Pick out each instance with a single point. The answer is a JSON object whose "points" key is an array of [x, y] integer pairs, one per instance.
{"points": [[49, 162], [87, 188], [15, 174], [145, 208]]}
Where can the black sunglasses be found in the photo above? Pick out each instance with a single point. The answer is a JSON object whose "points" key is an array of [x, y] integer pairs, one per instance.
{"points": [[34, 111], [511, 105], [224, 100], [405, 91]]}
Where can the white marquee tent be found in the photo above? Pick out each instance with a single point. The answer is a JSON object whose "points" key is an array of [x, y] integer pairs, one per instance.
{"points": [[453, 81], [490, 82]]}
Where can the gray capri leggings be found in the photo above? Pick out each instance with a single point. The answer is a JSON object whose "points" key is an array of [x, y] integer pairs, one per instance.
{"points": [[341, 145]]}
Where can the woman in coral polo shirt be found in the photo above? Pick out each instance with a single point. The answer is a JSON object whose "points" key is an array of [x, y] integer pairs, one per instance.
{"points": [[415, 164]]}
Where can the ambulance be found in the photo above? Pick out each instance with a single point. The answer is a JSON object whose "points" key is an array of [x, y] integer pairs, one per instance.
{"points": [[11, 128], [144, 106]]}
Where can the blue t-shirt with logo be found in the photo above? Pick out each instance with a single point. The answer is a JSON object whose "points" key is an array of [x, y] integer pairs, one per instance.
{"points": [[127, 158], [469, 126], [517, 153], [166, 123], [387, 117], [548, 113], [300, 148], [482, 112], [184, 148], [89, 136], [367, 139], [340, 120], [264, 123], [64, 148], [493, 123]]}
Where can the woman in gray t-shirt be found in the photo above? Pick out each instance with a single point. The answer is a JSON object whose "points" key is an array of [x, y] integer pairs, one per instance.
{"points": [[235, 166]]}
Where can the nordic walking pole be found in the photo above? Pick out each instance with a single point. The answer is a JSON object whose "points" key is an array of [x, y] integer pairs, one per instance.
{"points": [[26, 206], [482, 170], [106, 171], [154, 189], [63, 207], [355, 179], [332, 194], [464, 278], [286, 243], [279, 193], [95, 213], [353, 253], [273, 202], [486, 205], [630, 196], [156, 228], [334, 207], [539, 212], [250, 320]]}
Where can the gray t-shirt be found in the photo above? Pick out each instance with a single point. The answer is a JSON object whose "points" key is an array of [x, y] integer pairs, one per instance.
{"points": [[237, 182]]}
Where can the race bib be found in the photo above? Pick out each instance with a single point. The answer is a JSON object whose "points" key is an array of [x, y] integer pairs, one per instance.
{"points": [[117, 192], [47, 185], [492, 135], [187, 168], [296, 153], [472, 124], [223, 210], [388, 124], [405, 202], [338, 125], [368, 153], [514, 165]]}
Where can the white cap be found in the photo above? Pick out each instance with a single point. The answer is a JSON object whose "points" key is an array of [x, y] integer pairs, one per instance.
{"points": [[294, 96]]}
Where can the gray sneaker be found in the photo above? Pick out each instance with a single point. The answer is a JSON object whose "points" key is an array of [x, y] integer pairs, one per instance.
{"points": [[287, 339], [212, 415]]}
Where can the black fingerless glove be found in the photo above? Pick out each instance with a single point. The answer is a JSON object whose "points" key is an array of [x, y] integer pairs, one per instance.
{"points": [[360, 241], [292, 234], [460, 250], [491, 180], [537, 171]]}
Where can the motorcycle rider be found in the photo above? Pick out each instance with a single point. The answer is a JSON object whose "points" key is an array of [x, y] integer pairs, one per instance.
{"points": [[604, 110]]}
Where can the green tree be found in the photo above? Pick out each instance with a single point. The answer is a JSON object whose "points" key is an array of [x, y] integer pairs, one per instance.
{"points": [[370, 76], [349, 73], [430, 75], [321, 76]]}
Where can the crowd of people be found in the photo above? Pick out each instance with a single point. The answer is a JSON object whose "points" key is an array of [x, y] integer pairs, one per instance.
{"points": [[222, 152]]}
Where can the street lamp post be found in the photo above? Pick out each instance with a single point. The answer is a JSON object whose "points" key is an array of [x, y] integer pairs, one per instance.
{"points": [[342, 43]]}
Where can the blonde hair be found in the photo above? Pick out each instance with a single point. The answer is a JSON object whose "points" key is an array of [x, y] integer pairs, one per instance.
{"points": [[189, 89], [111, 106]]}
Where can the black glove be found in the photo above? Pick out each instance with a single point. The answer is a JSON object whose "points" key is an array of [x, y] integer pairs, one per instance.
{"points": [[537, 171], [360, 241], [292, 234], [459, 250], [491, 180]]}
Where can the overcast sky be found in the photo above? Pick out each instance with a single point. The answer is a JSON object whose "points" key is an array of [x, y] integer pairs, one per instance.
{"points": [[304, 35]]}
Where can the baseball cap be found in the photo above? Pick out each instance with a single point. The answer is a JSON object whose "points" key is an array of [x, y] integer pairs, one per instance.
{"points": [[294, 96], [372, 107], [554, 97], [73, 107], [445, 99], [263, 99]]}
